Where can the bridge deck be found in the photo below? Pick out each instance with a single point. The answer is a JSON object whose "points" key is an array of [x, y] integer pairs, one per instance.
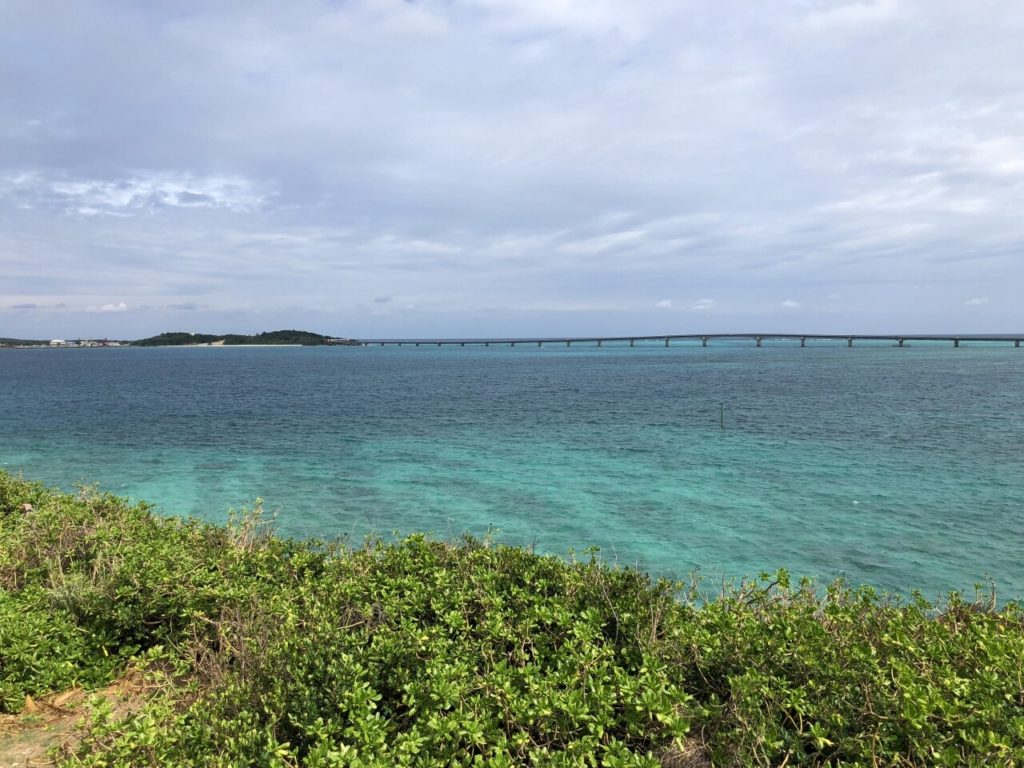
{"points": [[704, 338]]}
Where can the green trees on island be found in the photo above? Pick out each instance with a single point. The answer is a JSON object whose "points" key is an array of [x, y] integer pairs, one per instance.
{"points": [[274, 652], [180, 338], [184, 338]]}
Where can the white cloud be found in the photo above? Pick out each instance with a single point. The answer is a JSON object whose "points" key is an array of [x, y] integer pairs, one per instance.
{"points": [[138, 192], [120, 307], [395, 243], [853, 15], [790, 304], [602, 243], [664, 304], [976, 302], [1000, 156], [702, 304], [633, 21]]}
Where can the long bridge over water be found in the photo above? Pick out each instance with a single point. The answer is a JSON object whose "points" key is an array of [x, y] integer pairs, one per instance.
{"points": [[704, 338]]}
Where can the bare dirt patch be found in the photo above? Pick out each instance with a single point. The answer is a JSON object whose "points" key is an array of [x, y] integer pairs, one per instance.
{"points": [[27, 740]]}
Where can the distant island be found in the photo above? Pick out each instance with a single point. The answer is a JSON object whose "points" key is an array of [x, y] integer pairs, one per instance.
{"points": [[181, 339], [8, 342], [187, 339]]}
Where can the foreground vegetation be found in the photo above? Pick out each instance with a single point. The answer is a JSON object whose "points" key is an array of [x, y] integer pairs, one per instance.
{"points": [[265, 651]]}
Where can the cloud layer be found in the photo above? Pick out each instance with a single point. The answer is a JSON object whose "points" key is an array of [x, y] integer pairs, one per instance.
{"points": [[381, 167]]}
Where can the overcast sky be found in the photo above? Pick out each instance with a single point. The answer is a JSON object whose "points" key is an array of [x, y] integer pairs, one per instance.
{"points": [[495, 167]]}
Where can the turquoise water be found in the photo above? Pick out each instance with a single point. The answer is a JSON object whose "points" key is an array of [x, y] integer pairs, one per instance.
{"points": [[902, 468]]}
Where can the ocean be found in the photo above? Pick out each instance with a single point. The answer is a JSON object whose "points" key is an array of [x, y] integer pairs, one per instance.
{"points": [[899, 468]]}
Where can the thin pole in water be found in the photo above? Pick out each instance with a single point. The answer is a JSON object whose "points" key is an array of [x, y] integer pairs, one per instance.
{"points": [[721, 417]]}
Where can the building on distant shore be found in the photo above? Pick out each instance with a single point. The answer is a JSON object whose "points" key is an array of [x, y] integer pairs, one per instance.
{"points": [[84, 343]]}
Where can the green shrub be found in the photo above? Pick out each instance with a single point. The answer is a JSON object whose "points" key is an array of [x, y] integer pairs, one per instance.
{"points": [[421, 653]]}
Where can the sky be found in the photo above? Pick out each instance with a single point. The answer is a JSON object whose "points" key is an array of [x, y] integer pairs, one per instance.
{"points": [[379, 168]]}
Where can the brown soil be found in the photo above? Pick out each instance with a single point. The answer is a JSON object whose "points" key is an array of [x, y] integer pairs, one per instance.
{"points": [[27, 740]]}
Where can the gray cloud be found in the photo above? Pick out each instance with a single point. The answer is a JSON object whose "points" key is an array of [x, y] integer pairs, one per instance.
{"points": [[515, 164], [186, 197]]}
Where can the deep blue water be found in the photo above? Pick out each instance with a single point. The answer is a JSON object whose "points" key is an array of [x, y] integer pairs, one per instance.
{"points": [[903, 468]]}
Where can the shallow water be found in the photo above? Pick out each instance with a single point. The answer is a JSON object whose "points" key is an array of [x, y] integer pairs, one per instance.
{"points": [[900, 468]]}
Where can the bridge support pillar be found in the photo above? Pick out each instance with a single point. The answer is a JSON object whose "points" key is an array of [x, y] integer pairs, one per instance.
{"points": [[632, 342], [956, 343], [803, 341], [599, 342], [703, 341], [666, 341], [849, 341], [417, 343], [759, 341], [439, 343], [540, 343], [487, 343], [901, 342], [511, 343], [568, 343], [382, 343], [462, 343], [1016, 343]]}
